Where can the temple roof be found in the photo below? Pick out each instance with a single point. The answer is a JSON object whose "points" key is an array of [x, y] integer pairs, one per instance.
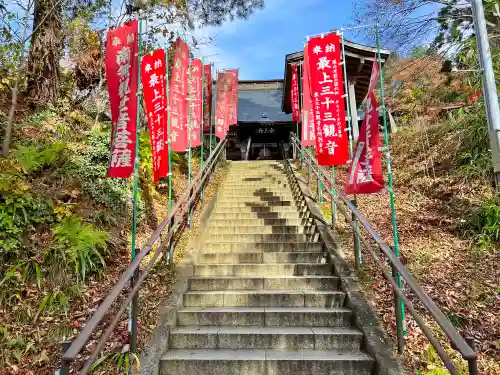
{"points": [[359, 67], [260, 101]]}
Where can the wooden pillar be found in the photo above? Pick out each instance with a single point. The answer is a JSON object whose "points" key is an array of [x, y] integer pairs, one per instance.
{"points": [[354, 110]]}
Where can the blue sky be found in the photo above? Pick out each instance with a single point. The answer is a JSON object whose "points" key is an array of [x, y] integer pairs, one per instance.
{"points": [[258, 46]]}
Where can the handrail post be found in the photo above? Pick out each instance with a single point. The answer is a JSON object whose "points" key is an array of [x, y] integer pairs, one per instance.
{"points": [[135, 310], [357, 242], [472, 363], [320, 186], [399, 314], [65, 365], [309, 170]]}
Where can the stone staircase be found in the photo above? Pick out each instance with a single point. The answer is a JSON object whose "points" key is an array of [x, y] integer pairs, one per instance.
{"points": [[262, 299]]}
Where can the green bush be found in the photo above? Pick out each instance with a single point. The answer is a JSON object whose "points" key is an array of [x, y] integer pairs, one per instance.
{"points": [[33, 158], [89, 165], [19, 211], [484, 225], [80, 246]]}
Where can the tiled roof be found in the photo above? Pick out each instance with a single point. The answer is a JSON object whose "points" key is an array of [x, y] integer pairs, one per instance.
{"points": [[261, 105], [260, 101]]}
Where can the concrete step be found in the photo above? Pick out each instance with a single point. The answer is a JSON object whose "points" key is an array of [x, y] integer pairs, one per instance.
{"points": [[283, 338], [251, 196], [250, 176], [264, 316], [236, 258], [267, 185], [264, 298], [214, 223], [265, 362], [234, 203], [246, 269], [258, 215], [256, 181], [235, 228], [258, 237], [207, 283], [238, 247], [258, 209], [256, 194]]}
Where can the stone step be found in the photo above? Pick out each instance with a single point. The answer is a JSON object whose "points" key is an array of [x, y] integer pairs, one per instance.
{"points": [[256, 181], [238, 247], [213, 223], [248, 269], [258, 215], [257, 176], [261, 257], [251, 192], [255, 197], [235, 228], [237, 203], [255, 193], [264, 298], [207, 283], [265, 362], [258, 237], [258, 209], [267, 185], [264, 316], [283, 338]]}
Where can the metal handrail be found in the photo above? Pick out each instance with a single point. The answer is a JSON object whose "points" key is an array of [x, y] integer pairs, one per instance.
{"points": [[457, 341], [171, 222], [248, 148]]}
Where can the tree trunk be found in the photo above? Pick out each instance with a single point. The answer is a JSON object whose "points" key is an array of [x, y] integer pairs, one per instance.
{"points": [[45, 49]]}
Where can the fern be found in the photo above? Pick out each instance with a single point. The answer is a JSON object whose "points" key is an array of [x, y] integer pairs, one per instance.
{"points": [[34, 158], [81, 246]]}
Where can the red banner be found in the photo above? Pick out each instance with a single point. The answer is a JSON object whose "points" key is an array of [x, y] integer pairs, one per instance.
{"points": [[325, 72], [195, 109], [155, 100], [221, 101], [233, 97], [365, 173], [178, 98], [294, 95], [121, 74], [207, 97], [308, 138]]}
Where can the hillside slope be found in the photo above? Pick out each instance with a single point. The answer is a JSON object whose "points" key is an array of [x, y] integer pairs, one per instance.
{"points": [[448, 224], [65, 233]]}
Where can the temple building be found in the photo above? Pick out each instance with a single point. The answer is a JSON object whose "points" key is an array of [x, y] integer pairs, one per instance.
{"points": [[264, 106]]}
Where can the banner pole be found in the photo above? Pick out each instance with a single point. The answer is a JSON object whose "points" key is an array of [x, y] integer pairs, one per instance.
{"points": [[212, 107], [189, 135], [169, 142], [350, 118], [133, 304], [202, 124], [301, 102], [399, 306]]}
